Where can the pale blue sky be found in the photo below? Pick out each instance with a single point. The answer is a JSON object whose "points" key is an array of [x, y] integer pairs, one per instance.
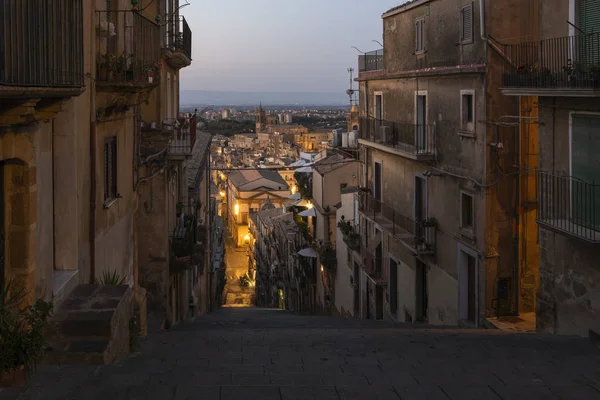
{"points": [[279, 45]]}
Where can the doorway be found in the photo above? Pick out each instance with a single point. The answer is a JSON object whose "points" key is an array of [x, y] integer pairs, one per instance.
{"points": [[422, 292], [356, 290], [468, 286], [421, 122], [393, 288], [2, 235], [377, 180]]}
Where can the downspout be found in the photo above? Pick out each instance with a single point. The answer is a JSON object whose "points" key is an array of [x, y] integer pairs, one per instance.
{"points": [[482, 19], [516, 268], [93, 139]]}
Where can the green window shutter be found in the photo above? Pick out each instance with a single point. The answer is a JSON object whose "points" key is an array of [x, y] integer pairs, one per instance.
{"points": [[585, 169], [589, 16]]}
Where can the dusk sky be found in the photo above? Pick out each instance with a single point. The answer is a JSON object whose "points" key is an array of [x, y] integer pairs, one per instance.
{"points": [[279, 45]]}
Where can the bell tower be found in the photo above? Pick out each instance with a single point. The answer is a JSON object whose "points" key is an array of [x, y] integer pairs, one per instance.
{"points": [[260, 119]]}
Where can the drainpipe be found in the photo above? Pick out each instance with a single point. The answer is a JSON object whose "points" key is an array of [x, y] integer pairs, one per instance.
{"points": [[516, 272], [482, 19], [93, 139]]}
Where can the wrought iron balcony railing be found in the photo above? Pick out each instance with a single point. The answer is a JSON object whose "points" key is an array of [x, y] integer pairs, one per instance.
{"points": [[179, 35], [418, 236], [571, 62], [184, 136], [371, 61], [570, 206], [418, 140], [41, 43], [128, 48]]}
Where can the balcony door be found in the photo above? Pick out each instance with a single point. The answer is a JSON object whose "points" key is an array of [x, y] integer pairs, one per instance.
{"points": [[377, 181], [585, 170], [421, 122]]}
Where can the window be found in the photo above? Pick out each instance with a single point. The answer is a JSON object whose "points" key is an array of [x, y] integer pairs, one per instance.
{"points": [[378, 106], [420, 36], [467, 110], [466, 212], [466, 22], [110, 168]]}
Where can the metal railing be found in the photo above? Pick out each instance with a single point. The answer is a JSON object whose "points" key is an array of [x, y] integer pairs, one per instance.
{"points": [[184, 136], [411, 138], [419, 236], [371, 61], [41, 43], [569, 205], [128, 47], [566, 62], [179, 35]]}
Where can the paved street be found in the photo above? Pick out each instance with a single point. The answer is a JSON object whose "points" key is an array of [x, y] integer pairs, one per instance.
{"points": [[249, 353]]}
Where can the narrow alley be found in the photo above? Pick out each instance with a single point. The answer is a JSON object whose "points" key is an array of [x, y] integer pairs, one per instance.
{"points": [[239, 289], [252, 353]]}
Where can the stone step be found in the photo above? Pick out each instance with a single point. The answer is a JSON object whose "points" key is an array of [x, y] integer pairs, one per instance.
{"points": [[94, 352], [91, 326]]}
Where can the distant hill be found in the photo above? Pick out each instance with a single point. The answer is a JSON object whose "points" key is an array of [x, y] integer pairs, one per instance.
{"points": [[206, 97]]}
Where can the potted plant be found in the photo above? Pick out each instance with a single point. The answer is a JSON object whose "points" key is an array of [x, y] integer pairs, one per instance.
{"points": [[22, 329], [104, 61], [179, 209]]}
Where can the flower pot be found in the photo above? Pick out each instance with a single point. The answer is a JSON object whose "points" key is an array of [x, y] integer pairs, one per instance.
{"points": [[102, 74], [14, 378]]}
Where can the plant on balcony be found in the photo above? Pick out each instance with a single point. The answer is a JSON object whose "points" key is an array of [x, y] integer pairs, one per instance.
{"points": [[105, 66], [111, 277], [179, 209], [328, 258], [345, 226], [22, 330], [430, 222]]}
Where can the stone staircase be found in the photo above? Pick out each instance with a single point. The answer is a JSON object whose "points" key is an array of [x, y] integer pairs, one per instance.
{"points": [[91, 326]]}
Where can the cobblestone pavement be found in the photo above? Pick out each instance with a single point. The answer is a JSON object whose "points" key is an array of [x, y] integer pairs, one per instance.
{"points": [[249, 353]]}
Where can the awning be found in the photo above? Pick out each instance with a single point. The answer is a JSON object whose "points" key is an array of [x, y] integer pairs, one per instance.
{"points": [[299, 163], [308, 213], [308, 252], [304, 169], [295, 196], [302, 203]]}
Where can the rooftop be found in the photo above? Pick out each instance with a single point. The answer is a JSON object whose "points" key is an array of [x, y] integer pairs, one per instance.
{"points": [[331, 163], [255, 179], [401, 6]]}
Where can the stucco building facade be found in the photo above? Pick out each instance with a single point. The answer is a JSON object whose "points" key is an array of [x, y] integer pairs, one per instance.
{"points": [[438, 215], [557, 70]]}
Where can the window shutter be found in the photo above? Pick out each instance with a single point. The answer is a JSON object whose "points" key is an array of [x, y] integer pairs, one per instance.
{"points": [[106, 172], [467, 23], [419, 40], [585, 165], [589, 16]]}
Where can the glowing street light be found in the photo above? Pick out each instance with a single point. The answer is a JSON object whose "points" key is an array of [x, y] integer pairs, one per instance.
{"points": [[236, 209]]}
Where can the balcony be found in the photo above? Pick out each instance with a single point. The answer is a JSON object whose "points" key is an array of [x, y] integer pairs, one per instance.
{"points": [[418, 236], [128, 56], [566, 66], [41, 58], [371, 61], [178, 50], [183, 243], [184, 136], [569, 206], [416, 142], [350, 233]]}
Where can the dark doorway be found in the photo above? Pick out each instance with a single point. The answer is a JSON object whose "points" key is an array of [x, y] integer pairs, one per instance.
{"points": [[393, 288], [377, 179], [356, 291], [2, 234], [378, 302], [422, 295], [472, 311]]}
